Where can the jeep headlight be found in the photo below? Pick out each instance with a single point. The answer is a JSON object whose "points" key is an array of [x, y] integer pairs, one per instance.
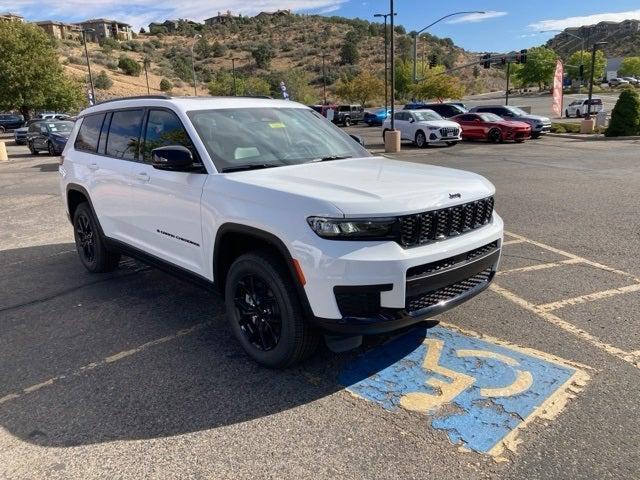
{"points": [[353, 228], [434, 128]]}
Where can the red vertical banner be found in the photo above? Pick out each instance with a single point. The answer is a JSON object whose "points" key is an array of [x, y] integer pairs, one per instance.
{"points": [[557, 89]]}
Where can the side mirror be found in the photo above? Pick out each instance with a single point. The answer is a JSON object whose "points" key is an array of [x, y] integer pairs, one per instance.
{"points": [[476, 120], [175, 158], [411, 120], [358, 139]]}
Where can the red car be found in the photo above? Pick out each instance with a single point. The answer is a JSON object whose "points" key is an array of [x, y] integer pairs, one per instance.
{"points": [[491, 127]]}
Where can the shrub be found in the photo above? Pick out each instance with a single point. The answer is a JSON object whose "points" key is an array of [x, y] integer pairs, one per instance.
{"points": [[165, 85], [75, 60], [262, 54], [102, 81], [625, 117], [129, 66]]}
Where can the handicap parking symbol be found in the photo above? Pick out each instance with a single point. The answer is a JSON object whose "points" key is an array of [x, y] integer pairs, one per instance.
{"points": [[477, 391]]}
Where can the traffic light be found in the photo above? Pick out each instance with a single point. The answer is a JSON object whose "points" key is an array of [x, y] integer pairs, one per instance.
{"points": [[486, 60], [433, 60], [523, 56]]}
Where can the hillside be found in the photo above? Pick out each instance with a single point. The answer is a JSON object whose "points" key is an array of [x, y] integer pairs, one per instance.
{"points": [[294, 43], [623, 39]]}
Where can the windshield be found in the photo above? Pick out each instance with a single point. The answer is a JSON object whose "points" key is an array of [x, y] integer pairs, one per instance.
{"points": [[271, 137], [60, 127], [490, 117], [516, 110], [425, 115]]}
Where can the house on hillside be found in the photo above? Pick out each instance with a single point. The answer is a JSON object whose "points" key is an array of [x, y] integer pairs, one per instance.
{"points": [[276, 14], [221, 18], [11, 17], [60, 30], [171, 26], [104, 28]]}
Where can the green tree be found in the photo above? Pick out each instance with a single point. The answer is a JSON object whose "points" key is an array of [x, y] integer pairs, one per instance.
{"points": [[541, 63], [404, 78], [630, 67], [256, 86], [573, 64], [262, 54], [625, 116], [129, 66], [349, 54], [438, 85], [102, 81], [363, 87], [165, 85], [203, 48], [31, 75]]}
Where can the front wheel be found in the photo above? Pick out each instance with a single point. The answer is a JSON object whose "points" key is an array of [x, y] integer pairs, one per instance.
{"points": [[421, 139], [347, 122], [51, 149], [265, 313], [495, 135], [578, 114], [91, 247]]}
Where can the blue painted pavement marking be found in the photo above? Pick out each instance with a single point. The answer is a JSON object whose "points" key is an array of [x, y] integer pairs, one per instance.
{"points": [[488, 389]]}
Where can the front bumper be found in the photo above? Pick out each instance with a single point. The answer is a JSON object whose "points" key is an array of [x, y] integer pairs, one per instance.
{"points": [[385, 294]]}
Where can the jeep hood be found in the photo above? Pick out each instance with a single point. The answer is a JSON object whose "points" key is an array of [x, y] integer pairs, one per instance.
{"points": [[373, 185]]}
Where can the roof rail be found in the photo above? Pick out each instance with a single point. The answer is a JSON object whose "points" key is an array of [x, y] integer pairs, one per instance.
{"points": [[137, 97]]}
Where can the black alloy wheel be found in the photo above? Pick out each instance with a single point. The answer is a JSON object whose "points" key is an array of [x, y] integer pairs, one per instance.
{"points": [[85, 238], [258, 312], [495, 135]]}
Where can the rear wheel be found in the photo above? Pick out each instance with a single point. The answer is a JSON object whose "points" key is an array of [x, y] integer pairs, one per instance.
{"points": [[91, 246], [494, 135], [265, 313], [421, 139], [347, 121]]}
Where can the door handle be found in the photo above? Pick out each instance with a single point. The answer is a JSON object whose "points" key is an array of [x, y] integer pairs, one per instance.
{"points": [[143, 177], [93, 166]]}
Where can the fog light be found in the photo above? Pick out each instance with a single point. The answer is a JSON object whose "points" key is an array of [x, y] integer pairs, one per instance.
{"points": [[433, 136]]}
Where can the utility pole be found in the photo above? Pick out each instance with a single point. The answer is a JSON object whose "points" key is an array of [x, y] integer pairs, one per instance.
{"points": [[393, 69], [506, 94], [233, 72], [593, 64], [86, 53], [386, 62], [145, 64], [324, 80]]}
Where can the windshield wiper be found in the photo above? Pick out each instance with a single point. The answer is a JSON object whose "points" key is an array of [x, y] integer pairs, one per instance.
{"points": [[248, 166], [331, 157]]}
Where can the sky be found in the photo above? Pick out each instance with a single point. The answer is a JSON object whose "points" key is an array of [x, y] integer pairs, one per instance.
{"points": [[506, 25]]}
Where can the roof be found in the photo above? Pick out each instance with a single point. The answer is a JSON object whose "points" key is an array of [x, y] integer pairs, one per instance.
{"points": [[55, 22], [102, 20], [186, 104]]}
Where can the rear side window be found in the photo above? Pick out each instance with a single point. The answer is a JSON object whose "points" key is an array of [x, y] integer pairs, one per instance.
{"points": [[89, 133], [164, 128], [124, 134]]}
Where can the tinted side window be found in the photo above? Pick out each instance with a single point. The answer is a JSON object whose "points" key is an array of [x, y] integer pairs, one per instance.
{"points": [[165, 128], [87, 139], [124, 134]]}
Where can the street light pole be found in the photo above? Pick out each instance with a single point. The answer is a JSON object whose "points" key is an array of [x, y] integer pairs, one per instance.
{"points": [[393, 69], [193, 65], [417, 34], [386, 68], [233, 71], [86, 53], [593, 62], [145, 64]]}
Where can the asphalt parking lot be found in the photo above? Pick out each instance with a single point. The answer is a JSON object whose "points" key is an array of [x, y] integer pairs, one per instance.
{"points": [[135, 374]]}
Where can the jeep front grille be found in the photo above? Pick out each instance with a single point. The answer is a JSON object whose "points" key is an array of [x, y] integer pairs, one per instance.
{"points": [[422, 228], [449, 132]]}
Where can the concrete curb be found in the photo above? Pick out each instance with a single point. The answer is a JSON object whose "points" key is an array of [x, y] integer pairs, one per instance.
{"points": [[591, 137]]}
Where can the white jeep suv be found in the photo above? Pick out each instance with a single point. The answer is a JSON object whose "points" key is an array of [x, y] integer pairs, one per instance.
{"points": [[424, 127], [303, 231]]}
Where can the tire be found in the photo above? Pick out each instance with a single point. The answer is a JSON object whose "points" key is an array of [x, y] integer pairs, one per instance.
{"points": [[494, 135], [2, 129], [578, 114], [535, 135], [519, 140], [566, 114], [265, 313], [32, 149], [451, 144], [91, 246], [346, 122], [421, 139], [51, 149]]}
